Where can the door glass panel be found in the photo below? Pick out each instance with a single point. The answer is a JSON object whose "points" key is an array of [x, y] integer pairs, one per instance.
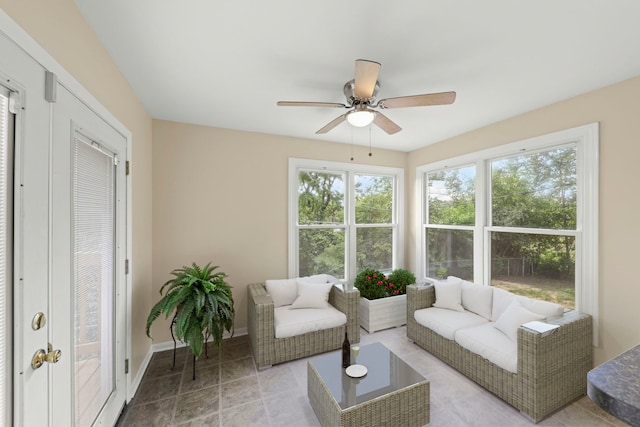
{"points": [[93, 278]]}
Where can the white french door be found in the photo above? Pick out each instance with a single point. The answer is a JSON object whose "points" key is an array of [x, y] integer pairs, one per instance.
{"points": [[88, 261], [68, 252]]}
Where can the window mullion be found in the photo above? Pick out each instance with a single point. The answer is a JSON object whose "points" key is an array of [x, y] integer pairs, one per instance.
{"points": [[481, 262]]}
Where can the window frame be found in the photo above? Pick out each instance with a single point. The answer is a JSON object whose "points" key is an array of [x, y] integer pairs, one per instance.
{"points": [[350, 170], [586, 140]]}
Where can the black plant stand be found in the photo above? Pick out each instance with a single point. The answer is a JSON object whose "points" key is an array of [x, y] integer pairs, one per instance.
{"points": [[206, 352]]}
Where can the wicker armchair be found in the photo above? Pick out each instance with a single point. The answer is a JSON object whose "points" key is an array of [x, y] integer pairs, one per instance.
{"points": [[269, 350], [552, 369]]}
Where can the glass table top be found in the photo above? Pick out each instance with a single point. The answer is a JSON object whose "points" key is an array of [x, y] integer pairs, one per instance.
{"points": [[386, 373]]}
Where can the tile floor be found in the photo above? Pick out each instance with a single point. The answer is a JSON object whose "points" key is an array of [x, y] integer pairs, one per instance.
{"points": [[229, 391]]}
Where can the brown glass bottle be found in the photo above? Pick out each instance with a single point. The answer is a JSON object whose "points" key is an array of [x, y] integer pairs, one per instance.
{"points": [[346, 350]]}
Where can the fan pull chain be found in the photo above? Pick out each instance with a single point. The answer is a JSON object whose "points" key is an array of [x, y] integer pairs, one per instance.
{"points": [[369, 140], [352, 143]]}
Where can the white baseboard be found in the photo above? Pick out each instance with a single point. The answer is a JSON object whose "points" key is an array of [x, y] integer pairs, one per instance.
{"points": [[162, 346]]}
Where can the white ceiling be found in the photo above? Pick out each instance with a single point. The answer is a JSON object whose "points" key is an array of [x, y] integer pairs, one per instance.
{"points": [[227, 63]]}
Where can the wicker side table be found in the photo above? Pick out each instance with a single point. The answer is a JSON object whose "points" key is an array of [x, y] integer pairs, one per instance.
{"points": [[392, 393]]}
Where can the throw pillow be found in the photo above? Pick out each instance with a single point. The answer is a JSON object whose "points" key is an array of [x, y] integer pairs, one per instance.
{"points": [[477, 299], [312, 295], [282, 291], [514, 316], [449, 294]]}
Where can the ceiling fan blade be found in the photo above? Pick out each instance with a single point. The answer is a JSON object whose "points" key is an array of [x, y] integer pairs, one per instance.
{"points": [[310, 104], [333, 123], [366, 78], [385, 123], [418, 100]]}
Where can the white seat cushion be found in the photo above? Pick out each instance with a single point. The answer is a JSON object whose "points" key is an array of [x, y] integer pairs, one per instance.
{"points": [[446, 322], [289, 323], [488, 342]]}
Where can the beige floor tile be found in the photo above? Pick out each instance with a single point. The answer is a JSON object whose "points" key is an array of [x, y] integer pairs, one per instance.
{"points": [[229, 391], [246, 415]]}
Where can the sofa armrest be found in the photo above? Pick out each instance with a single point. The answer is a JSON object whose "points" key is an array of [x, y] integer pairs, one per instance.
{"points": [[419, 297], [348, 302], [562, 357], [261, 324]]}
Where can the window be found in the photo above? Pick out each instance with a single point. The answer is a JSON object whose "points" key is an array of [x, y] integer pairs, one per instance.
{"points": [[522, 217], [343, 218], [450, 222], [533, 224]]}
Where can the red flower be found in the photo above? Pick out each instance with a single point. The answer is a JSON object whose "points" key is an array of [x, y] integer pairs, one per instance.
{"points": [[375, 276], [368, 277], [391, 285], [379, 282], [396, 292]]}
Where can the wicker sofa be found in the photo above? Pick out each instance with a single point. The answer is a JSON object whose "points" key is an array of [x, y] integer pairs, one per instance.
{"points": [[269, 350], [551, 369]]}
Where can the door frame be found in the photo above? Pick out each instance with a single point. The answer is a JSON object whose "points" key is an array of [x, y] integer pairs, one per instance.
{"points": [[23, 40]]}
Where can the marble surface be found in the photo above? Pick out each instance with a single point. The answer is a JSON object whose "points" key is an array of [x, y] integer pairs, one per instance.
{"points": [[615, 386]]}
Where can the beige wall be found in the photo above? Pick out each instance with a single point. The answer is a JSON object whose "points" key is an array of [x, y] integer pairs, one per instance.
{"points": [[221, 195], [617, 109], [62, 31]]}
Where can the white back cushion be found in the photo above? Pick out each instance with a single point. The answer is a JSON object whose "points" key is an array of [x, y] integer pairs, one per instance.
{"points": [[282, 291], [285, 291], [501, 300], [546, 308], [449, 294], [477, 298]]}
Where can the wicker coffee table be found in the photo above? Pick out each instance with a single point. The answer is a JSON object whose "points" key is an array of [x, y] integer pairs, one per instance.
{"points": [[391, 393]]}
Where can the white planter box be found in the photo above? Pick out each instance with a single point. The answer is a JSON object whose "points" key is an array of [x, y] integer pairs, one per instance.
{"points": [[383, 313]]}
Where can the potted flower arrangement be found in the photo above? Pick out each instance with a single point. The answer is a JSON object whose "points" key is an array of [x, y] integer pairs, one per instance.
{"points": [[383, 302]]}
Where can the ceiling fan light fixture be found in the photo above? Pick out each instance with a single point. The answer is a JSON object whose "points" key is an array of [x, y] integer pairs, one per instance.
{"points": [[360, 118]]}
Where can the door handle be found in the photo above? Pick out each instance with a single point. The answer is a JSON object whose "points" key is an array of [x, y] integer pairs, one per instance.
{"points": [[50, 356]]}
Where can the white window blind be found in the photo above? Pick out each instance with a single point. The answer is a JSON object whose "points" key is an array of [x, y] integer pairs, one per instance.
{"points": [[93, 249], [6, 140]]}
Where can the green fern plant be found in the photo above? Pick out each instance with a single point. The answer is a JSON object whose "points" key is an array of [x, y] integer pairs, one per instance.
{"points": [[202, 302]]}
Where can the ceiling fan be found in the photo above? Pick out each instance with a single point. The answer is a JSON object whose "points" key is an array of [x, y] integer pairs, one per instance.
{"points": [[361, 100]]}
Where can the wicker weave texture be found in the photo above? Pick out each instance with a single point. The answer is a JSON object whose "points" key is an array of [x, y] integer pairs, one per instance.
{"points": [[269, 350], [552, 369], [406, 407]]}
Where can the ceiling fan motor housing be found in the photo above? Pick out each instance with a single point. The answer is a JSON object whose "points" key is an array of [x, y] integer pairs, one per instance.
{"points": [[352, 99]]}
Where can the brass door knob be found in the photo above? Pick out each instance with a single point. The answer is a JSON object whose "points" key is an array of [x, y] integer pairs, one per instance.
{"points": [[50, 356]]}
